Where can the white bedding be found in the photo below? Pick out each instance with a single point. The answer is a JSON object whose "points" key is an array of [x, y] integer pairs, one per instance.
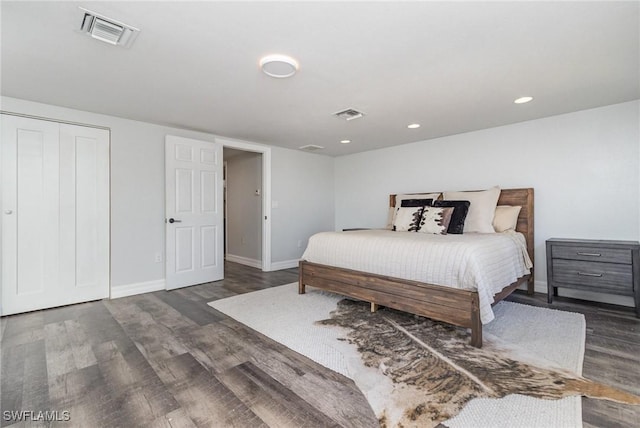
{"points": [[486, 262]]}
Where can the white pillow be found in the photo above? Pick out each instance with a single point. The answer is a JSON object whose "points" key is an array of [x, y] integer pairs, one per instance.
{"points": [[506, 217], [401, 197], [482, 208]]}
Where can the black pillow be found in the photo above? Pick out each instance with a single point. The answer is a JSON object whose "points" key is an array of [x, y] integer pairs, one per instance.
{"points": [[460, 210], [416, 202]]}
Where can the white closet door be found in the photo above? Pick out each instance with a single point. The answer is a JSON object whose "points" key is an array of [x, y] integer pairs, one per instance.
{"points": [[30, 214], [54, 184], [194, 212], [84, 207]]}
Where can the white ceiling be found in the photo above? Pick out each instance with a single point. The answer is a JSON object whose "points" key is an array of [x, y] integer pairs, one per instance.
{"points": [[451, 66]]}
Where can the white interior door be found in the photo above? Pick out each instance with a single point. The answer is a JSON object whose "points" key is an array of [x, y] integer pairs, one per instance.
{"points": [[55, 214], [194, 212]]}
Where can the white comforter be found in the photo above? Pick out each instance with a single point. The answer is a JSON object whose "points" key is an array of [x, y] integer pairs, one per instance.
{"points": [[486, 262]]}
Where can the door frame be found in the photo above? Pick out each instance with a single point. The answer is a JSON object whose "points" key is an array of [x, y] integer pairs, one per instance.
{"points": [[266, 191]]}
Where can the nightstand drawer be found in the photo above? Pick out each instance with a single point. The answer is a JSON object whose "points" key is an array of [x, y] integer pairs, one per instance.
{"points": [[603, 276], [592, 254]]}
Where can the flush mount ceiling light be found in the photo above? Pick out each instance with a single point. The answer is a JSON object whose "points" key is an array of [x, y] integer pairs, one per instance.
{"points": [[107, 30], [523, 100], [345, 141], [413, 126], [279, 66]]}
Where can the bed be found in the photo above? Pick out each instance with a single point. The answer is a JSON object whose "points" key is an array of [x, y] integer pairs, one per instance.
{"points": [[460, 307]]}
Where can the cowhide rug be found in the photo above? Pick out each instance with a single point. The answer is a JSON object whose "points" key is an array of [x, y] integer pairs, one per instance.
{"points": [[437, 372]]}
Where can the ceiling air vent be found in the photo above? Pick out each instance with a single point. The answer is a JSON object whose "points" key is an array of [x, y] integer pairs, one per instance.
{"points": [[311, 148], [106, 29], [349, 114]]}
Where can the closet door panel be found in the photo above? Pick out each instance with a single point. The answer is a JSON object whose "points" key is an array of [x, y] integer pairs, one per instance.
{"points": [[37, 211], [85, 220], [30, 212]]}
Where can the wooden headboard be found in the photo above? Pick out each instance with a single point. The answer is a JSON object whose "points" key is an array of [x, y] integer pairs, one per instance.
{"points": [[522, 197]]}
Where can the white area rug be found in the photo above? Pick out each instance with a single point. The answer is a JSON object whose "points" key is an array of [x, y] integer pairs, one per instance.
{"points": [[550, 337]]}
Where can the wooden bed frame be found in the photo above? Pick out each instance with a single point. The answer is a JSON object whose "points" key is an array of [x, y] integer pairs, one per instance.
{"points": [[451, 305]]}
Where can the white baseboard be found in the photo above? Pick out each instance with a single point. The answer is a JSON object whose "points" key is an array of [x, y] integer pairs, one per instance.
{"points": [[118, 291], [540, 286], [244, 261], [286, 264]]}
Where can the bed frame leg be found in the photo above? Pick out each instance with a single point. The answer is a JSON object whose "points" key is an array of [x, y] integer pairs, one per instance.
{"points": [[476, 337], [301, 288], [374, 307], [530, 285], [476, 324]]}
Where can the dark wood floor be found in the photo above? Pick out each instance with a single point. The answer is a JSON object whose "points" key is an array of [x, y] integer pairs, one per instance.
{"points": [[612, 355], [167, 359]]}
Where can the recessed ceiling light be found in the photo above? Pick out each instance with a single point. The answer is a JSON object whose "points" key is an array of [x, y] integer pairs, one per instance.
{"points": [[413, 126], [279, 66], [345, 141], [523, 100]]}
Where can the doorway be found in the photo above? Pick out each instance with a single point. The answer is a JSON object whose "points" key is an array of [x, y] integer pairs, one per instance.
{"points": [[184, 178], [243, 207], [262, 233]]}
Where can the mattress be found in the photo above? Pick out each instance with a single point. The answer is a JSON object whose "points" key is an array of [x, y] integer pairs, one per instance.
{"points": [[486, 262]]}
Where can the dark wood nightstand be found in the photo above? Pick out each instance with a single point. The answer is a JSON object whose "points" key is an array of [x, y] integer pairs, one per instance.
{"points": [[598, 266]]}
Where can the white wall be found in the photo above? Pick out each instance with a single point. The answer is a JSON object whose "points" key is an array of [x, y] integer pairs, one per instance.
{"points": [[583, 166], [137, 192], [244, 207], [303, 200]]}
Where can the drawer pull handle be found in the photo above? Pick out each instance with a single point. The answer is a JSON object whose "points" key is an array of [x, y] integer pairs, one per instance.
{"points": [[590, 254], [597, 275]]}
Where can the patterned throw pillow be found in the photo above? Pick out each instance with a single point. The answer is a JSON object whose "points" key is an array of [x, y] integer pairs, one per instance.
{"points": [[401, 197], [460, 210], [435, 220], [407, 219]]}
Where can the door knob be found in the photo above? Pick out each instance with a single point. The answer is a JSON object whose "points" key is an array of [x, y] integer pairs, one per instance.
{"points": [[8, 212], [172, 220]]}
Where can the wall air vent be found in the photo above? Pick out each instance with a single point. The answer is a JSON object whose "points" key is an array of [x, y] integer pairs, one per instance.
{"points": [[349, 114], [106, 29], [311, 148]]}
